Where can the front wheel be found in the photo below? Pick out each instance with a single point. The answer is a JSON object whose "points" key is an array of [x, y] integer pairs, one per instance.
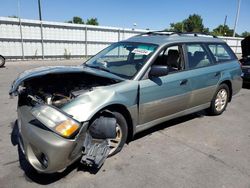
{"points": [[220, 100], [2, 61], [117, 143]]}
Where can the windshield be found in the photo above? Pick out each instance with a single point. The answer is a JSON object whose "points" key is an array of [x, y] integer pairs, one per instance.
{"points": [[123, 59]]}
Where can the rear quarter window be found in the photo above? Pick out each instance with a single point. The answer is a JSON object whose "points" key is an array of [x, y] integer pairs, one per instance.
{"points": [[221, 52]]}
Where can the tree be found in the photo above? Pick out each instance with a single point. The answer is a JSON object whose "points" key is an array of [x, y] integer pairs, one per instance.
{"points": [[77, 20], [13, 16], [223, 30], [177, 27], [92, 21], [193, 23], [245, 34]]}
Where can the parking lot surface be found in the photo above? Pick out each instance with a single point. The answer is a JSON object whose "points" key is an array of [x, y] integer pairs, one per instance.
{"points": [[193, 151]]}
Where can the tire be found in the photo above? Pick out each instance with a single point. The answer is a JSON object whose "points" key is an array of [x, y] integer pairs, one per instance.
{"points": [[2, 61], [220, 100], [121, 121]]}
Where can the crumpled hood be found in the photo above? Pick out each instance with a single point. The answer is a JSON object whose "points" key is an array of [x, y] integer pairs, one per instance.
{"points": [[41, 71]]}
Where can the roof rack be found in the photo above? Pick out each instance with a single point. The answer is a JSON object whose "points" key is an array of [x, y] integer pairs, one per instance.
{"points": [[163, 32], [196, 34]]}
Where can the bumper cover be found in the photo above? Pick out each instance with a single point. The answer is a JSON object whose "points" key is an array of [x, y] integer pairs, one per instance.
{"points": [[38, 143]]}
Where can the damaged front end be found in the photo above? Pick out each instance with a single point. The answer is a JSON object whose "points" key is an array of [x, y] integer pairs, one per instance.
{"points": [[50, 138]]}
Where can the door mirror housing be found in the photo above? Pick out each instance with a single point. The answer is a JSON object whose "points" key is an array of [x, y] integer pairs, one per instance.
{"points": [[158, 71]]}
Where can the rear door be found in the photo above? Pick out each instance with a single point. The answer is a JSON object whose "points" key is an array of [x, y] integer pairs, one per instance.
{"points": [[205, 74]]}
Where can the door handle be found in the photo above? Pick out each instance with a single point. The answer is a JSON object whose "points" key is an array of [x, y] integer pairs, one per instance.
{"points": [[183, 82], [217, 74]]}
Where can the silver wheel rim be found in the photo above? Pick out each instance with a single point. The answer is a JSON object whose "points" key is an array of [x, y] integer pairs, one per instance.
{"points": [[114, 143], [221, 100]]}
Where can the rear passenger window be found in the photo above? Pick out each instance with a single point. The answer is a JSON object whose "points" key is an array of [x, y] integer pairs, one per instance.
{"points": [[197, 56], [221, 52]]}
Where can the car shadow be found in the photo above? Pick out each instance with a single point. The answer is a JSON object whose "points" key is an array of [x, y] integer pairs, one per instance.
{"points": [[170, 123], [3, 66], [32, 175]]}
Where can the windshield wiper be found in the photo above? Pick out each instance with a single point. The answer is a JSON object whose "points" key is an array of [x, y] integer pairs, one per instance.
{"points": [[98, 67]]}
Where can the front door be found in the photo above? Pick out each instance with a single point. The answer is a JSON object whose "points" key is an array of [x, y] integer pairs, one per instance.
{"points": [[166, 95]]}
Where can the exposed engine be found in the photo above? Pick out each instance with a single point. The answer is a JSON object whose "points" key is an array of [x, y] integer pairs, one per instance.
{"points": [[59, 89]]}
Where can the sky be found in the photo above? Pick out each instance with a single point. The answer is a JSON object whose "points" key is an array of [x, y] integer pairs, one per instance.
{"points": [[147, 14]]}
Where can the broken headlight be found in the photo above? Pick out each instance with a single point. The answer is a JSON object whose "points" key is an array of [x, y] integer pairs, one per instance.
{"points": [[56, 121]]}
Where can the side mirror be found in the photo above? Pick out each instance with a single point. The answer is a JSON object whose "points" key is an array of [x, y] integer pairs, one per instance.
{"points": [[158, 71]]}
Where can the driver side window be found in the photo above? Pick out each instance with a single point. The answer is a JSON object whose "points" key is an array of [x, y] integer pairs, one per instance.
{"points": [[171, 57]]}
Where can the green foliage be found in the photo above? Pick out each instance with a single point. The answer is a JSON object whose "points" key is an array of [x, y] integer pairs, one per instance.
{"points": [[223, 30], [193, 23], [77, 20], [177, 27], [13, 16], [92, 21], [245, 34]]}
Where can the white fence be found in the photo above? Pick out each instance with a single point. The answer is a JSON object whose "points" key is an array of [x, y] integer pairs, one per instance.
{"points": [[64, 40]]}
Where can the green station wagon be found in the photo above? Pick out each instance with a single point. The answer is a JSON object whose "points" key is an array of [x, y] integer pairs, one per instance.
{"points": [[88, 112]]}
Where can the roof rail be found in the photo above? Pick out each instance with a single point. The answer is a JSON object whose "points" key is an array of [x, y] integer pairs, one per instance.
{"points": [[196, 34], [163, 32]]}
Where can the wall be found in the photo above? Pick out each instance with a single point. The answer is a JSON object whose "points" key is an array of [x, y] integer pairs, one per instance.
{"points": [[64, 40]]}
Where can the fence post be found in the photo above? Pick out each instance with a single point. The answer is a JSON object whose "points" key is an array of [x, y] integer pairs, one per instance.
{"points": [[42, 43], [119, 35], [21, 35], [236, 46], [20, 27], [86, 41], [41, 26]]}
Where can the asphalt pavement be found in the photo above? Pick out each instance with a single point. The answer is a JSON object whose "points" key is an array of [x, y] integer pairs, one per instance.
{"points": [[193, 151]]}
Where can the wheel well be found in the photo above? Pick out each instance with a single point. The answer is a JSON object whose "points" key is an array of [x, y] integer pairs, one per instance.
{"points": [[229, 84], [123, 110]]}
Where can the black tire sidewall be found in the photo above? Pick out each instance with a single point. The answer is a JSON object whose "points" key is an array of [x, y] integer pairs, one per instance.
{"points": [[213, 109], [2, 61], [124, 128]]}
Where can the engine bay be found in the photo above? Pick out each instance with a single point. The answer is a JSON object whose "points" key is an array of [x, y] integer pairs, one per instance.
{"points": [[59, 89]]}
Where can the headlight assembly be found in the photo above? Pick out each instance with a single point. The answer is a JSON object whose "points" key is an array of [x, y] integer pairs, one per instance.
{"points": [[55, 120]]}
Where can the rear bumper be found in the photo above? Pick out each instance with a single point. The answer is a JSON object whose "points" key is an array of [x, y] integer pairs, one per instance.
{"points": [[46, 151]]}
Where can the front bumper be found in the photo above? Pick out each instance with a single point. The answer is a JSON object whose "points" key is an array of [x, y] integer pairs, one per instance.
{"points": [[46, 151]]}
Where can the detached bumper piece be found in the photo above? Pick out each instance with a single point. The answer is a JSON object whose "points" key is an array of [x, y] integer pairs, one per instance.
{"points": [[96, 147], [96, 155]]}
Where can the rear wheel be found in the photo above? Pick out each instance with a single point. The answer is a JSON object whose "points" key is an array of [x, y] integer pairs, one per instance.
{"points": [[220, 100]]}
